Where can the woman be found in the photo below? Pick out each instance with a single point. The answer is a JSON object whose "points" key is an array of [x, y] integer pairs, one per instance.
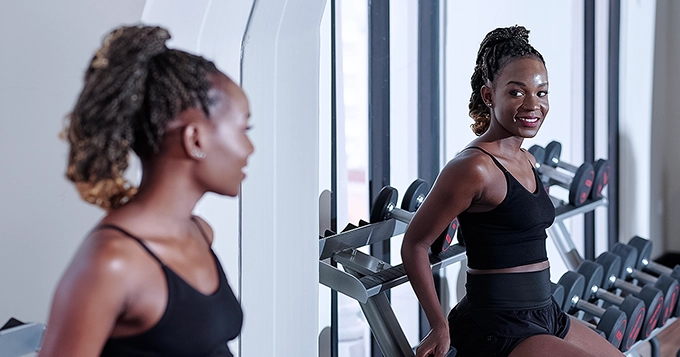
{"points": [[145, 281], [503, 211]]}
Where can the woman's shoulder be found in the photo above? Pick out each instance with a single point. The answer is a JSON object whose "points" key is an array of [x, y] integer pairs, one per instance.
{"points": [[470, 163], [111, 255]]}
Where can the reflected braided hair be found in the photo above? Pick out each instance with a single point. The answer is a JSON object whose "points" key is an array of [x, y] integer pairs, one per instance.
{"points": [[497, 49], [133, 87]]}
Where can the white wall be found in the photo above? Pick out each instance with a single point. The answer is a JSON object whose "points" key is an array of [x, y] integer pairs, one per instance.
{"points": [[635, 118], [665, 177], [280, 199], [45, 46]]}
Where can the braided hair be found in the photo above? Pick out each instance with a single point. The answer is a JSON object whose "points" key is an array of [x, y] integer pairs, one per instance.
{"points": [[495, 52], [133, 87]]}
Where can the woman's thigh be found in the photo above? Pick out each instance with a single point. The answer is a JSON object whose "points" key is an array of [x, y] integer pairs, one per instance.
{"points": [[579, 341]]}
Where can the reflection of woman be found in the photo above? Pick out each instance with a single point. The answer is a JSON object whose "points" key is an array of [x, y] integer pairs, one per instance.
{"points": [[503, 211], [145, 281]]}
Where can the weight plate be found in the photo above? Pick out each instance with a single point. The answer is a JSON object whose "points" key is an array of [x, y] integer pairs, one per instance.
{"points": [[676, 275], [635, 311], [538, 152], [611, 265], [653, 300], [602, 173], [644, 248], [573, 283], [445, 239], [669, 288], [415, 195], [384, 204], [593, 274], [581, 184], [552, 153], [613, 323], [557, 292], [628, 256]]}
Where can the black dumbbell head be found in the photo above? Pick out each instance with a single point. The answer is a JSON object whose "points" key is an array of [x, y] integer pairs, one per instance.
{"points": [[574, 285], [552, 153], [581, 184], [445, 239], [613, 324], [557, 292], [593, 274], [653, 300], [669, 288], [635, 311], [629, 257], [384, 204], [644, 249], [676, 275], [538, 152], [415, 195], [602, 173], [611, 264]]}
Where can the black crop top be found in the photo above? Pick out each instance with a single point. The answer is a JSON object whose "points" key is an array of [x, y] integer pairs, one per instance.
{"points": [[193, 324], [513, 233]]}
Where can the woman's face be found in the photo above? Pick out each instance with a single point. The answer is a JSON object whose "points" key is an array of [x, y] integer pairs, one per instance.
{"points": [[229, 148], [519, 96]]}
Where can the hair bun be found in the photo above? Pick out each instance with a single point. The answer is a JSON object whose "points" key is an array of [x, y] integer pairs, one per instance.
{"points": [[515, 33], [131, 43]]}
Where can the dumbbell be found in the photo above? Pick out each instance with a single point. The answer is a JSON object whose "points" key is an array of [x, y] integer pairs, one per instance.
{"points": [[666, 284], [557, 292], [603, 171], [579, 182], [601, 167], [650, 295], [612, 320], [385, 207], [633, 307], [644, 248]]}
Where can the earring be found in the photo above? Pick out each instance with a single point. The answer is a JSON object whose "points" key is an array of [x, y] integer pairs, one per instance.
{"points": [[197, 154], [489, 104]]}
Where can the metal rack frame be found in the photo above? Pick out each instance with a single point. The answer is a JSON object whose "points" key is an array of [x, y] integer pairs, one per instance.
{"points": [[367, 279], [21, 340], [572, 258]]}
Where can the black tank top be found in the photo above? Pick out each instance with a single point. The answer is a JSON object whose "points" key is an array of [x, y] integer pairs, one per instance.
{"points": [[513, 233], [193, 324]]}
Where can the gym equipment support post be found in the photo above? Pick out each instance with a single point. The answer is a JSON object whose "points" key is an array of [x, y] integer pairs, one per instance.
{"points": [[367, 279], [21, 340], [560, 235]]}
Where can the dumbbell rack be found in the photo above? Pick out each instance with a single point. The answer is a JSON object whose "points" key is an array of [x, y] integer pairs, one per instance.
{"points": [[565, 245], [559, 233], [367, 279]]}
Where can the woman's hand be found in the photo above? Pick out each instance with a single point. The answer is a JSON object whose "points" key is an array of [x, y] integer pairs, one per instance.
{"points": [[436, 344]]}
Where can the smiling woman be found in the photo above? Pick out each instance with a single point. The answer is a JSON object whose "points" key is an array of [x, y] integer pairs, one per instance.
{"points": [[145, 280], [503, 212]]}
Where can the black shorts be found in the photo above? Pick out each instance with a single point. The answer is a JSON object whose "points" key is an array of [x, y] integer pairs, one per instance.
{"points": [[491, 328]]}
